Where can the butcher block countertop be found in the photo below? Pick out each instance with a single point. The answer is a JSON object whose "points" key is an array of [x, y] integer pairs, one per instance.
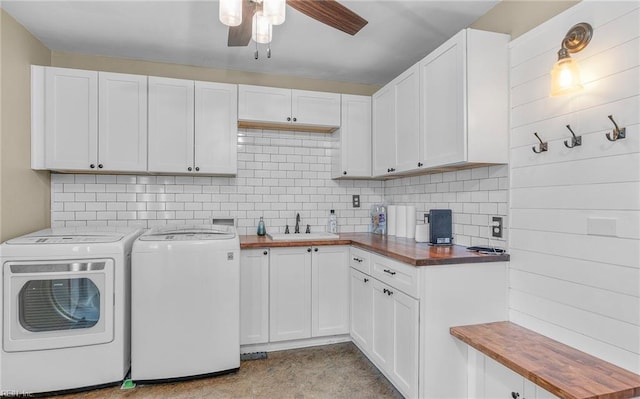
{"points": [[402, 249], [558, 368]]}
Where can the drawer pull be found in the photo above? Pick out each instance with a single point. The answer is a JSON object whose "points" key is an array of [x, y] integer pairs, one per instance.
{"points": [[391, 272], [388, 292], [358, 260]]}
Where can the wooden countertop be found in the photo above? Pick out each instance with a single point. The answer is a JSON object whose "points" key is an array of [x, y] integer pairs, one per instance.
{"points": [[403, 249], [558, 368]]}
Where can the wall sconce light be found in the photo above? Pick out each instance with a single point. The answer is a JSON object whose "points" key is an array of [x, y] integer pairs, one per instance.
{"points": [[565, 75]]}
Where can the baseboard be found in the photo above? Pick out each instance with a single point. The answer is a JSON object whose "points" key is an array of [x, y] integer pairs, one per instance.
{"points": [[295, 344]]}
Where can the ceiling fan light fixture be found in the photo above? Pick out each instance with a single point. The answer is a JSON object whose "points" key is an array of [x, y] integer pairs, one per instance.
{"points": [[274, 10], [261, 29], [231, 12]]}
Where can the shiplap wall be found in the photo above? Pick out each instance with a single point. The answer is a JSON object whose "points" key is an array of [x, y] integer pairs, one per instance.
{"points": [[570, 279]]}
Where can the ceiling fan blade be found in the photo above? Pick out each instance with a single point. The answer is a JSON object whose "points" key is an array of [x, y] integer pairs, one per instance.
{"points": [[241, 35], [331, 13]]}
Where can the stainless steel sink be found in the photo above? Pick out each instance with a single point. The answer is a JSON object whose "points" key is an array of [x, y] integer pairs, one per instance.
{"points": [[303, 236]]}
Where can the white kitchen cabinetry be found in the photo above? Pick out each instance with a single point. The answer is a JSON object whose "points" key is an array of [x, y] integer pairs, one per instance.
{"points": [[254, 296], [192, 127], [353, 156], [287, 109], [464, 104], [361, 310], [290, 294], [396, 124], [330, 291], [88, 120], [309, 292], [489, 379]]}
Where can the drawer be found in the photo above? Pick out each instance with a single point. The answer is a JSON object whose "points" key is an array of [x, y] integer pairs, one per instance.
{"points": [[360, 260], [401, 276]]}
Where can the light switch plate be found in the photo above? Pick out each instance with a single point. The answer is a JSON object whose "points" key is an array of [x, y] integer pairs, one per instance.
{"points": [[355, 200]]}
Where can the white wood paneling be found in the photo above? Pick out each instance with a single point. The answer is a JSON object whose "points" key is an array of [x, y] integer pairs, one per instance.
{"points": [[570, 279]]}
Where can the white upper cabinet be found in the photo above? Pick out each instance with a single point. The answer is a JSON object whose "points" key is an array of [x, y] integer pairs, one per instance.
{"points": [[464, 105], [192, 127], [171, 111], [384, 136], [396, 124], [122, 109], [286, 109], [88, 120], [216, 128], [353, 156]]}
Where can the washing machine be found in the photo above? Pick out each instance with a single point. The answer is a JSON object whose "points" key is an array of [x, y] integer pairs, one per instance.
{"points": [[65, 309], [185, 302]]}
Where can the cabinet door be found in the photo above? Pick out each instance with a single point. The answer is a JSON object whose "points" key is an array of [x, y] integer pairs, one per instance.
{"points": [[355, 137], [407, 99], [254, 296], [216, 128], [405, 342], [500, 382], [264, 104], [290, 294], [382, 340], [443, 130], [330, 291], [71, 119], [122, 138], [361, 309], [170, 125], [384, 133], [315, 108]]}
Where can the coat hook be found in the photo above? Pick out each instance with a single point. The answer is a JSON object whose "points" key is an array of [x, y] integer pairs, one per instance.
{"points": [[617, 133], [543, 146], [575, 140]]}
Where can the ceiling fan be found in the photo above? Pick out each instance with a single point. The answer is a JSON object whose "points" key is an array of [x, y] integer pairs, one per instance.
{"points": [[329, 12]]}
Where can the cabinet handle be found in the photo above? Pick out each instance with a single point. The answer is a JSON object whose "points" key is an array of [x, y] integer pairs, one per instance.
{"points": [[308, 249], [295, 119], [515, 395], [315, 249], [92, 166], [388, 292], [344, 173], [100, 166], [288, 119], [391, 272], [265, 253], [366, 280], [189, 168], [419, 164], [197, 169]]}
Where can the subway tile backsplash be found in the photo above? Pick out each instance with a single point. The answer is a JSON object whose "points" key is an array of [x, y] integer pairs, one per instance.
{"points": [[279, 174]]}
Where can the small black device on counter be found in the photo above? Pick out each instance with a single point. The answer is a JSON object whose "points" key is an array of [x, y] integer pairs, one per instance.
{"points": [[440, 227]]}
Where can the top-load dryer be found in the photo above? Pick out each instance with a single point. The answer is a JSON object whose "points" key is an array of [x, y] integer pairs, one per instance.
{"points": [[65, 309], [185, 302]]}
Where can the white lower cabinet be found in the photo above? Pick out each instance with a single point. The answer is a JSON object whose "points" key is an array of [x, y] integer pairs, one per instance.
{"points": [[361, 309], [254, 296], [489, 379], [330, 291]]}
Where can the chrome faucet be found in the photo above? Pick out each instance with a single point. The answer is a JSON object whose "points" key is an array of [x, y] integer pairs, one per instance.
{"points": [[297, 229]]}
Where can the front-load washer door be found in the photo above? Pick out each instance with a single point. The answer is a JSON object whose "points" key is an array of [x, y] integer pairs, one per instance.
{"points": [[57, 304]]}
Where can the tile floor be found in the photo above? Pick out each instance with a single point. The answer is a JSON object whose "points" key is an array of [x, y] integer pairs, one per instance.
{"points": [[331, 371]]}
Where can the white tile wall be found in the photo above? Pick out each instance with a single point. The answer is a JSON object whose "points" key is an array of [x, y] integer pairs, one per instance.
{"points": [[279, 175]]}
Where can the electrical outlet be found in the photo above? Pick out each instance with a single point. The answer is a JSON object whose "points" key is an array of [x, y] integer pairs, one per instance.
{"points": [[355, 200], [496, 226]]}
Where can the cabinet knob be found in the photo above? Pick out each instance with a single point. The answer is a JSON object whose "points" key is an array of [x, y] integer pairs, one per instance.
{"points": [[366, 280], [189, 169], [344, 173], [92, 166], [388, 170], [515, 395], [100, 166], [288, 119], [265, 253], [295, 119], [315, 249], [308, 249], [419, 164], [393, 169], [197, 169]]}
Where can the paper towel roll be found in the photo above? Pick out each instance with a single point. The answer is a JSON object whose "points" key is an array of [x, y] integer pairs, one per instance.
{"points": [[392, 214], [422, 232], [410, 215], [401, 221]]}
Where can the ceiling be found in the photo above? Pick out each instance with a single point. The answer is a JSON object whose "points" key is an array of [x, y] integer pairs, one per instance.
{"points": [[398, 34]]}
